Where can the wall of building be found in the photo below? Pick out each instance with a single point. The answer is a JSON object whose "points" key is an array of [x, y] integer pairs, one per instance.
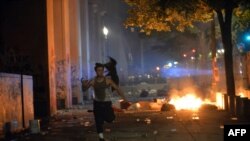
{"points": [[11, 101], [23, 46]]}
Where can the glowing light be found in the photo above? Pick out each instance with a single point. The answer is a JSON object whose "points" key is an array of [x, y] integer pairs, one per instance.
{"points": [[241, 94], [175, 63], [157, 68], [222, 50], [184, 55], [248, 37], [105, 30], [148, 76], [192, 58], [220, 100], [138, 105], [188, 102], [193, 50]]}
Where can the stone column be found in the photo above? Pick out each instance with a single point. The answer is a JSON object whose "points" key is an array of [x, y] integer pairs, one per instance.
{"points": [[51, 56], [85, 46], [62, 38], [75, 50], [85, 38]]}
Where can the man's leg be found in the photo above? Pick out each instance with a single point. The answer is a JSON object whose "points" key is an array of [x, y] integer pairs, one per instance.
{"points": [[109, 115], [99, 121]]}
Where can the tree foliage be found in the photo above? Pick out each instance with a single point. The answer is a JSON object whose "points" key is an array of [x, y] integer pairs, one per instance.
{"points": [[167, 15]]}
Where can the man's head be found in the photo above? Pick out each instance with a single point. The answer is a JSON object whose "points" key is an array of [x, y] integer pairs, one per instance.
{"points": [[99, 69]]}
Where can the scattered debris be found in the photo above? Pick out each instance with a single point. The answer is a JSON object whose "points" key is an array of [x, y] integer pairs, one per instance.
{"points": [[155, 132], [138, 120], [170, 117], [195, 117], [234, 118], [173, 130], [44, 133], [108, 130], [87, 123], [147, 120]]}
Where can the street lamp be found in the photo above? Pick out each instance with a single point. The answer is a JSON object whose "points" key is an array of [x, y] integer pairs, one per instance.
{"points": [[157, 68], [105, 33]]}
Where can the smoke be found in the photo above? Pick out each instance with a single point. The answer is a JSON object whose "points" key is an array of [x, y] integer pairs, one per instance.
{"points": [[184, 72], [187, 85]]}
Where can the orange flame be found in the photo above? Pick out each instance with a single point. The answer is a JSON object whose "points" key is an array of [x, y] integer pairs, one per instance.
{"points": [[220, 100], [188, 102], [191, 102]]}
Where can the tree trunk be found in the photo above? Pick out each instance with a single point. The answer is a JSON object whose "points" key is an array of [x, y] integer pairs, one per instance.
{"points": [[226, 35], [215, 70]]}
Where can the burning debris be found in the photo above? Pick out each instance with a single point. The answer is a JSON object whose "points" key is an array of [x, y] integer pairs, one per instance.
{"points": [[194, 103], [187, 102]]}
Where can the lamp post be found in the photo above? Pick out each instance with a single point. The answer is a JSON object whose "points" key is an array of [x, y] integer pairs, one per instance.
{"points": [[105, 33]]}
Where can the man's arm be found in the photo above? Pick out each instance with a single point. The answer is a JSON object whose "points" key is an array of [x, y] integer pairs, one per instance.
{"points": [[86, 84], [119, 91]]}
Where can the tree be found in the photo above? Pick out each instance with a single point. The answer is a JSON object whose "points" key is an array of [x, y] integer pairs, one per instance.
{"points": [[167, 15]]}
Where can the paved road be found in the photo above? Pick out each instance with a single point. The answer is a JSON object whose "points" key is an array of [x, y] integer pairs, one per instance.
{"points": [[78, 125]]}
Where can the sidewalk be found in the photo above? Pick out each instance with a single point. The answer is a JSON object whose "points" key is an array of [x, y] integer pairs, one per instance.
{"points": [[78, 125]]}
